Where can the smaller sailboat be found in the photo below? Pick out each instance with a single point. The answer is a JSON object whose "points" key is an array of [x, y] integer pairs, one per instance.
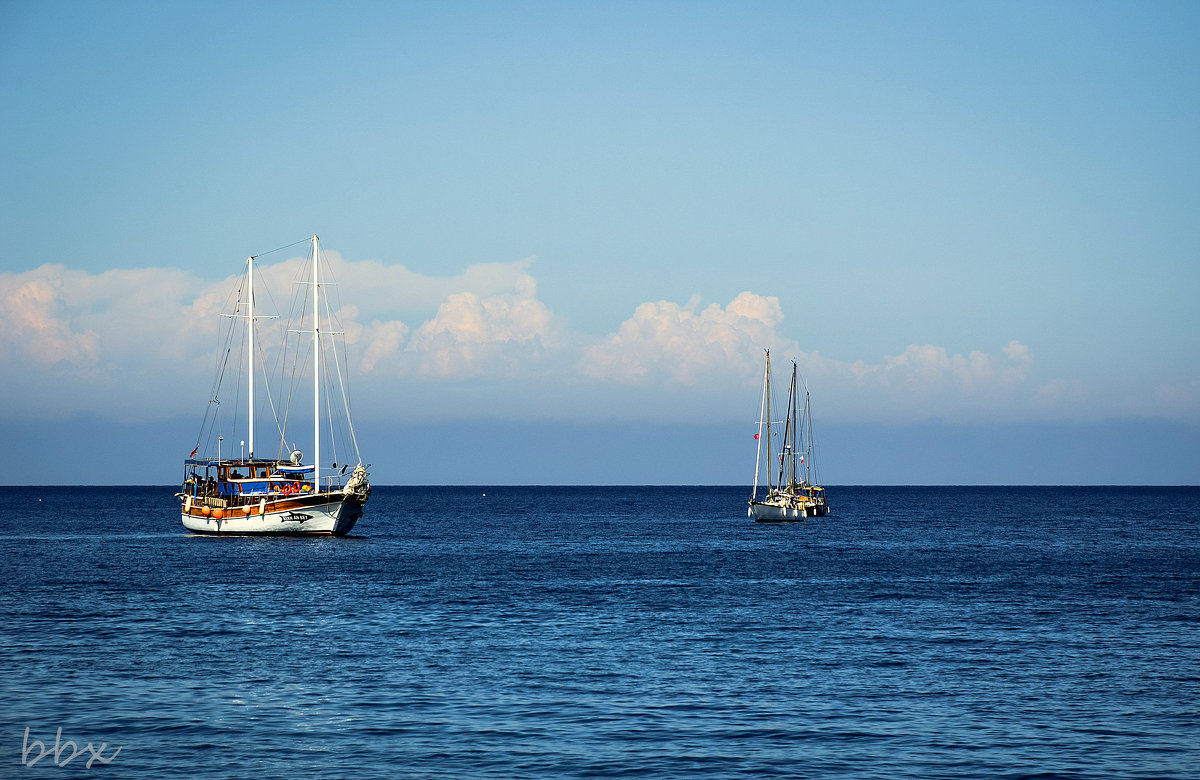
{"points": [[789, 492], [224, 493]]}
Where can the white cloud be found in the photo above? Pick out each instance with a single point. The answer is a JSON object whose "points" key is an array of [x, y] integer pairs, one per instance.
{"points": [[380, 340], [140, 343], [664, 340], [96, 344], [500, 328], [386, 292], [926, 367], [137, 343], [718, 352], [504, 334], [924, 381], [36, 327]]}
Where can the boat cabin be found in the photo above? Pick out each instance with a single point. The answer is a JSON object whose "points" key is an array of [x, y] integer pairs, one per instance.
{"points": [[237, 481]]}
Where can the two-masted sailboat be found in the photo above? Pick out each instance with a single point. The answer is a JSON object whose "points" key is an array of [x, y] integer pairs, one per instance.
{"points": [[250, 494], [789, 492]]}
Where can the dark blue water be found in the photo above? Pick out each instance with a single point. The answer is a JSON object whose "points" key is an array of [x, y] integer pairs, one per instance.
{"points": [[596, 632]]}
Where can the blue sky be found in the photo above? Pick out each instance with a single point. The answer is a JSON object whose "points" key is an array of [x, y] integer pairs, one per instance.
{"points": [[972, 224]]}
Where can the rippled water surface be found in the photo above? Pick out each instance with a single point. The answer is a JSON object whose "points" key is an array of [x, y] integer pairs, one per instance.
{"points": [[587, 632]]}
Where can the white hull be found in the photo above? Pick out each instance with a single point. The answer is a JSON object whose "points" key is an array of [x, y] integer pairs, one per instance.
{"points": [[326, 515], [764, 513]]}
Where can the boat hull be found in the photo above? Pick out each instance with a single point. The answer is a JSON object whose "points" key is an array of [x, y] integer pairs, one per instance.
{"points": [[781, 513], [330, 514]]}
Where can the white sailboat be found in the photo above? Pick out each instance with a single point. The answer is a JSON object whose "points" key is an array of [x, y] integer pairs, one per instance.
{"points": [[249, 494], [789, 492]]}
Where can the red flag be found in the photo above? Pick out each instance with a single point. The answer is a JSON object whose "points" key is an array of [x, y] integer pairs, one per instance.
{"points": [[756, 435], [194, 453]]}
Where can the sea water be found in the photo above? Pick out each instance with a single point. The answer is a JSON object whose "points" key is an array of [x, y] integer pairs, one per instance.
{"points": [[557, 632]]}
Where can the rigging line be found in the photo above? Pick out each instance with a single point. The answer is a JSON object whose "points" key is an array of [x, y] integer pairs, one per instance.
{"points": [[280, 373], [786, 453], [280, 249], [291, 392], [297, 367], [324, 347], [296, 311], [237, 393], [215, 391], [211, 398], [212, 411], [262, 356], [241, 342], [346, 403], [329, 414], [342, 381], [222, 362], [327, 380], [215, 400], [261, 348]]}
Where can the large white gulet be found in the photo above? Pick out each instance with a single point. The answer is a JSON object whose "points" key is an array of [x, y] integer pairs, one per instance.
{"points": [[789, 493], [239, 492]]}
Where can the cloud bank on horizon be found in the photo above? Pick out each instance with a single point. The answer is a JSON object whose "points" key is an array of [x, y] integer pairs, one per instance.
{"points": [[140, 344]]}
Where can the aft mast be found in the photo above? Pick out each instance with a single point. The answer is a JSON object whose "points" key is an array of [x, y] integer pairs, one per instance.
{"points": [[762, 411], [316, 366], [807, 441], [793, 403], [787, 453], [250, 349], [250, 318]]}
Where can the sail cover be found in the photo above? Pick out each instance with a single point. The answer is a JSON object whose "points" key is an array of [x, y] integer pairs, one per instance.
{"points": [[295, 469]]}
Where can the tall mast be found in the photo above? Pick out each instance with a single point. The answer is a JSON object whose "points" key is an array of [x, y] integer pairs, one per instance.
{"points": [[807, 440], [316, 368], [762, 411], [794, 402], [250, 346], [787, 451], [770, 456]]}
